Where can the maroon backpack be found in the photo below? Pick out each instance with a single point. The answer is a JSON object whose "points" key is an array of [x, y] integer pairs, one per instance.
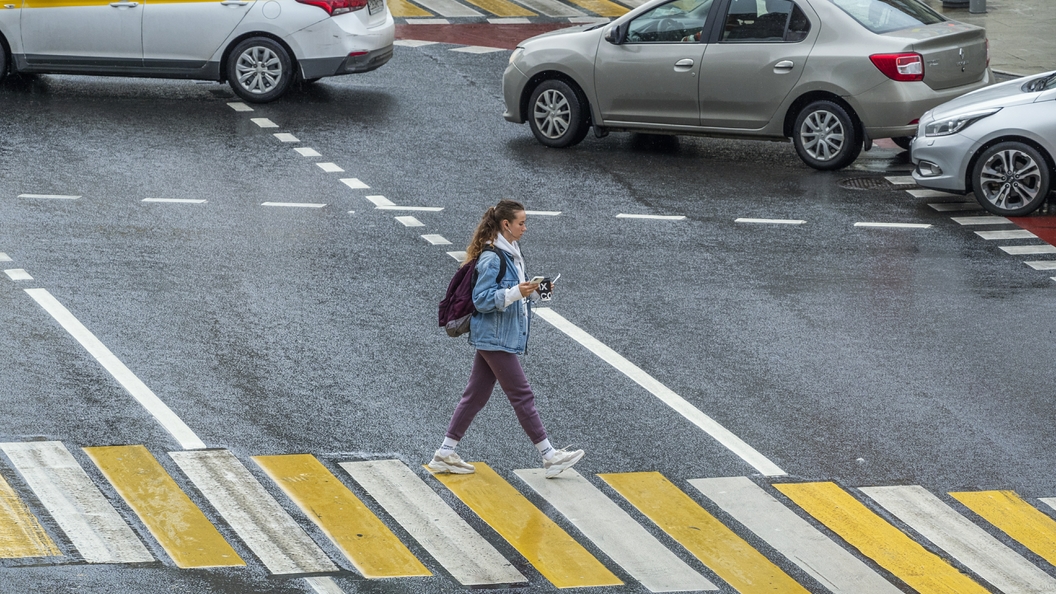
{"points": [[456, 308]]}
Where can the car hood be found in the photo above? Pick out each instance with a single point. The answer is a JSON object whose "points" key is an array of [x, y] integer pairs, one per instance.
{"points": [[1006, 94], [561, 32]]}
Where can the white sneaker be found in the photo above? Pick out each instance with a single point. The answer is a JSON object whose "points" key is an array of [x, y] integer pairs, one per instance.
{"points": [[561, 461], [450, 463]]}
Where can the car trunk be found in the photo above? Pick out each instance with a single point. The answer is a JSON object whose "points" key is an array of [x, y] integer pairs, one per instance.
{"points": [[954, 53]]}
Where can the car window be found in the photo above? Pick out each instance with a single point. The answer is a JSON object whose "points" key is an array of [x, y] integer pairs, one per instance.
{"points": [[765, 20], [881, 16], [680, 21]]}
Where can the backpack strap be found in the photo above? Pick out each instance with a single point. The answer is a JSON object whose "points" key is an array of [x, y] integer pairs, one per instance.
{"points": [[502, 261]]}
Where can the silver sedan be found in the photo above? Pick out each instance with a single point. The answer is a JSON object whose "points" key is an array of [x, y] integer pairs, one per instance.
{"points": [[999, 142]]}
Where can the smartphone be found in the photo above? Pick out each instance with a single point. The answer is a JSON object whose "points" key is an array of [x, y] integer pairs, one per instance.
{"points": [[537, 279]]}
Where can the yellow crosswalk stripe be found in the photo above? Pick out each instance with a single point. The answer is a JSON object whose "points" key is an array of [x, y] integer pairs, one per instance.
{"points": [[21, 535], [1016, 518], [503, 8], [367, 542], [174, 520], [557, 556], [404, 9], [718, 547], [602, 7], [878, 540]]}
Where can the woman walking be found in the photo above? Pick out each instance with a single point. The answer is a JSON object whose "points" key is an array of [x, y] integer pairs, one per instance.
{"points": [[499, 332]]}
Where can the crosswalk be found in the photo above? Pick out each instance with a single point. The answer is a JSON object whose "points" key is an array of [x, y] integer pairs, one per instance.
{"points": [[428, 11], [632, 530]]}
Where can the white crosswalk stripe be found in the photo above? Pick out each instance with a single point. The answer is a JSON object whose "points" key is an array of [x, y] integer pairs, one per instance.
{"points": [[552, 8], [1027, 250], [448, 8]]}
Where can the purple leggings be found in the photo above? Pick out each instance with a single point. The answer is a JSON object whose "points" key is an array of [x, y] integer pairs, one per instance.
{"points": [[506, 368]]}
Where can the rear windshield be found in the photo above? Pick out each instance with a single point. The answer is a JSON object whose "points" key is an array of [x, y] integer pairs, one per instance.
{"points": [[881, 16]]}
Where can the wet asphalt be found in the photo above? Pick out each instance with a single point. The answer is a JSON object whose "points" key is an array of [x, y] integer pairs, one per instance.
{"points": [[862, 356]]}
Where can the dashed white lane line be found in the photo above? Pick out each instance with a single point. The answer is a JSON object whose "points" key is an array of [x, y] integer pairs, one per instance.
{"points": [[955, 206], [901, 180], [307, 152], [410, 222], [294, 204], [1010, 234], [17, 274], [930, 194], [543, 213], [427, 22], [286, 137], [355, 183], [264, 122], [436, 239], [380, 201], [414, 42], [894, 225], [175, 200], [124, 376], [49, 196], [721, 434], [5, 258], [771, 221], [330, 167], [414, 208], [1042, 264], [460, 256], [1028, 250], [239, 106], [652, 217], [981, 220], [477, 49]]}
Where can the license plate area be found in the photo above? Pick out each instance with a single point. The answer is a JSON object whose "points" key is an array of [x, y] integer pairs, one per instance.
{"points": [[375, 6]]}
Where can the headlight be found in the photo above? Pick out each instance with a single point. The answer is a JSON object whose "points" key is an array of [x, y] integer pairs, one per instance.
{"points": [[953, 125], [516, 54]]}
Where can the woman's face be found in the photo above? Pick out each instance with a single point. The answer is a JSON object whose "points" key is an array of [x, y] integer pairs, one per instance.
{"points": [[513, 230]]}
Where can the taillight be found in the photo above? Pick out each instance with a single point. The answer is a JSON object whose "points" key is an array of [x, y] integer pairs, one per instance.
{"points": [[335, 7], [900, 67]]}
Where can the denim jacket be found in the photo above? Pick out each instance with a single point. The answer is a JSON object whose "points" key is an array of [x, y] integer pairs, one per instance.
{"points": [[495, 327]]}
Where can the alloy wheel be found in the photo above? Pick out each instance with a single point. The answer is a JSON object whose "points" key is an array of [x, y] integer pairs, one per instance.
{"points": [[259, 69], [1010, 179], [553, 114], [822, 135]]}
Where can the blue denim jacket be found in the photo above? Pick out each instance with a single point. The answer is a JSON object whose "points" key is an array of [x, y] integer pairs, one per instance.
{"points": [[496, 327]]}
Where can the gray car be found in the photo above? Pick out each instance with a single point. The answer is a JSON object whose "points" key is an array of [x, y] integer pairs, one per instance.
{"points": [[829, 74], [999, 142]]}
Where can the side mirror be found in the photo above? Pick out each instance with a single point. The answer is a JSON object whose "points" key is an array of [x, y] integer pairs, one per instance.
{"points": [[616, 34]]}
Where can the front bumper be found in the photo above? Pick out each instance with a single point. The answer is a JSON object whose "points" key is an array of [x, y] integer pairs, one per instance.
{"points": [[941, 162], [513, 83]]}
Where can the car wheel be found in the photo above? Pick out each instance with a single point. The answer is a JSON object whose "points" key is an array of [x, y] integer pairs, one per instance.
{"points": [[557, 114], [259, 70], [3, 62], [903, 142], [1011, 179], [825, 136]]}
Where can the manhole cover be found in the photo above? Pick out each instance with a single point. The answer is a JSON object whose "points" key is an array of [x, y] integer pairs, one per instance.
{"points": [[864, 183]]}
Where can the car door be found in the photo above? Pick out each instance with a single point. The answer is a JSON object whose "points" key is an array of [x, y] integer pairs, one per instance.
{"points": [[650, 75], [182, 35], [757, 57], [83, 35]]}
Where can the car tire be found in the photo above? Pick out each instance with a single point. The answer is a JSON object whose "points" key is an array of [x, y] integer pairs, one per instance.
{"points": [[557, 114], [825, 136], [3, 62], [1011, 179], [259, 70], [903, 142]]}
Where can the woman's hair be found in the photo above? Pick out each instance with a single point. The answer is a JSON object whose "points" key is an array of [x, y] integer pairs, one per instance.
{"points": [[490, 225]]}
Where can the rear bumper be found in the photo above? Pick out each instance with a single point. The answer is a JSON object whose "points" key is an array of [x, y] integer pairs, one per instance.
{"points": [[344, 44], [892, 108]]}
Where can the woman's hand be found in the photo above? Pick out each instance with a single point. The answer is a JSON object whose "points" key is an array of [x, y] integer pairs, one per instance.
{"points": [[527, 288]]}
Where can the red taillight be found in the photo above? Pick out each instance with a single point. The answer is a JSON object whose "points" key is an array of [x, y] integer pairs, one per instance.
{"points": [[901, 67], [334, 7]]}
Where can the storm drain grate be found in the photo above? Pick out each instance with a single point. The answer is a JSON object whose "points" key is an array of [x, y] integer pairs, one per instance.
{"points": [[865, 183]]}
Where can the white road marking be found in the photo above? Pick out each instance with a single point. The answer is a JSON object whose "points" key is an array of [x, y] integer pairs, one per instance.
{"points": [[771, 221], [1042, 264], [175, 200], [5, 258], [76, 504], [509, 21], [543, 213], [419, 510], [1010, 234], [414, 42], [355, 183], [17, 274], [286, 137], [552, 8], [477, 49], [792, 536], [964, 541], [981, 220], [294, 204], [128, 380], [460, 256], [415, 208], [380, 201], [721, 434], [410, 222], [448, 8], [330, 167], [239, 106], [264, 122], [587, 20], [436, 239], [901, 180], [652, 217], [307, 152], [931, 194], [614, 532], [427, 22], [894, 225], [49, 196], [1026, 250], [955, 206], [324, 585], [255, 516]]}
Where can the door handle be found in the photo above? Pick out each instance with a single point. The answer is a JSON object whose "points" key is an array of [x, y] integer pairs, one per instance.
{"points": [[124, 4], [784, 65], [9, 6], [684, 63]]}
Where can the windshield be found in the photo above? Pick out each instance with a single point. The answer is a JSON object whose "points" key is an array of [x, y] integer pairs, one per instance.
{"points": [[881, 16]]}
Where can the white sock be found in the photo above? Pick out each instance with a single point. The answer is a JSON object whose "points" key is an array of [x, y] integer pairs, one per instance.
{"points": [[448, 447], [545, 449]]}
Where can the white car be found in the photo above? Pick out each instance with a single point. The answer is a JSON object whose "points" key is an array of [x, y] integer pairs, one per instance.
{"points": [[258, 46]]}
